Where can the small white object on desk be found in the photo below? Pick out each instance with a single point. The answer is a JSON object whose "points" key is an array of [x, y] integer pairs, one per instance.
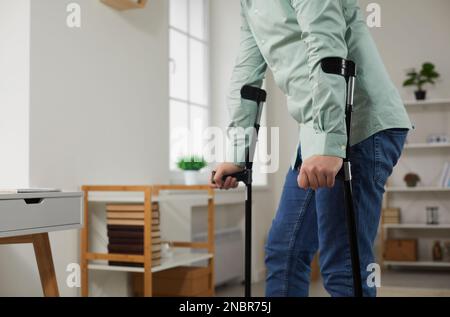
{"points": [[28, 190]]}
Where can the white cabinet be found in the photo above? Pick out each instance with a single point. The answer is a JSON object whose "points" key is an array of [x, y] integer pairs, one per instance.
{"points": [[22, 214]]}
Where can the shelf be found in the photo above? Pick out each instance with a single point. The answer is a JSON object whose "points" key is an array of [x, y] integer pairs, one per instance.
{"points": [[420, 189], [418, 263], [427, 146], [427, 103], [414, 226], [235, 196], [178, 259], [136, 198], [122, 5]]}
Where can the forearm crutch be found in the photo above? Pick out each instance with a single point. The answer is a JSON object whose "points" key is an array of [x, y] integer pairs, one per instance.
{"points": [[347, 69], [246, 176]]}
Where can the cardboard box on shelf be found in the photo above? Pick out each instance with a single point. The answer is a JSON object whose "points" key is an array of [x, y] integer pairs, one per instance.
{"points": [[183, 281], [400, 250]]}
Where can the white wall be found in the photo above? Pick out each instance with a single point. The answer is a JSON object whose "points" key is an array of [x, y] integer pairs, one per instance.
{"points": [[413, 32], [99, 95], [99, 115], [14, 92]]}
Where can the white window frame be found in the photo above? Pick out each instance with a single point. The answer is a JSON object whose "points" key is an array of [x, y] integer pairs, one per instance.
{"points": [[206, 42]]}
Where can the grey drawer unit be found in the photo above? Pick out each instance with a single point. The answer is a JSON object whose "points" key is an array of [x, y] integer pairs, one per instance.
{"points": [[22, 214]]}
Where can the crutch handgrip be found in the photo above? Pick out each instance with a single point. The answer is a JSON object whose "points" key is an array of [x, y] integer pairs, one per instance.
{"points": [[243, 176]]}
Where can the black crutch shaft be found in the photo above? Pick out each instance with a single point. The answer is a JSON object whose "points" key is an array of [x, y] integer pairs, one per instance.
{"points": [[347, 69], [349, 72], [259, 97], [248, 242], [353, 238]]}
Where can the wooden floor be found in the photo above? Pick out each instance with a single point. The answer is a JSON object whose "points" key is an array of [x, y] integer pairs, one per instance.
{"points": [[394, 284]]}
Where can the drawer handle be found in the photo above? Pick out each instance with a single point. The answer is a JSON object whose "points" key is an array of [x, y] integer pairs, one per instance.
{"points": [[33, 201]]}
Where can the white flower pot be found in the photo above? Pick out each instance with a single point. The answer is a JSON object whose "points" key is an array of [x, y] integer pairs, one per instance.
{"points": [[191, 177]]}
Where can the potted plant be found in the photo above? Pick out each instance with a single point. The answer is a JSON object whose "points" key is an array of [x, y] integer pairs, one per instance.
{"points": [[411, 179], [191, 165], [427, 75]]}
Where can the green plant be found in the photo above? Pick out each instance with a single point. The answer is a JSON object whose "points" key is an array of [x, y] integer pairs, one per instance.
{"points": [[191, 163], [427, 75]]}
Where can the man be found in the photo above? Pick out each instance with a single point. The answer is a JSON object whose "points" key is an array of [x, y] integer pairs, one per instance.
{"points": [[291, 37]]}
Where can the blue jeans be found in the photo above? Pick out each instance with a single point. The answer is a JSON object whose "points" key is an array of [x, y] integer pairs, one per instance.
{"points": [[308, 221]]}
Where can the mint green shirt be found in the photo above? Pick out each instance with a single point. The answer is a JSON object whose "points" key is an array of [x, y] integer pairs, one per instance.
{"points": [[291, 37]]}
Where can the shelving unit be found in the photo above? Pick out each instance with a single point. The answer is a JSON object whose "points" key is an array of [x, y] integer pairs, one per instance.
{"points": [[428, 117], [186, 253]]}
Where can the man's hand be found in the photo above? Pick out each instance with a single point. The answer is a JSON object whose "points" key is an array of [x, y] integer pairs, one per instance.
{"points": [[225, 169], [319, 171]]}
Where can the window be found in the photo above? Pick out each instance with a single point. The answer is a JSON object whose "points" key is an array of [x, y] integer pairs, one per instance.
{"points": [[189, 69]]}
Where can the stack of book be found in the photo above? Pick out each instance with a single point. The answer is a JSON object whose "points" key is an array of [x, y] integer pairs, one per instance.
{"points": [[391, 215], [125, 227]]}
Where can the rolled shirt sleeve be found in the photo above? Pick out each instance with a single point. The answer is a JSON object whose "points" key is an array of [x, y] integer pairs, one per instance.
{"points": [[249, 69], [323, 27]]}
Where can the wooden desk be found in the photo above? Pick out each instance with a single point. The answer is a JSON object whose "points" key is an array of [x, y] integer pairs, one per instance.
{"points": [[27, 218]]}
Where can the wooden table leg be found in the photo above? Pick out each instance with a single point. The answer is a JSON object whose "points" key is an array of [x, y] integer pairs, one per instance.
{"points": [[43, 252]]}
